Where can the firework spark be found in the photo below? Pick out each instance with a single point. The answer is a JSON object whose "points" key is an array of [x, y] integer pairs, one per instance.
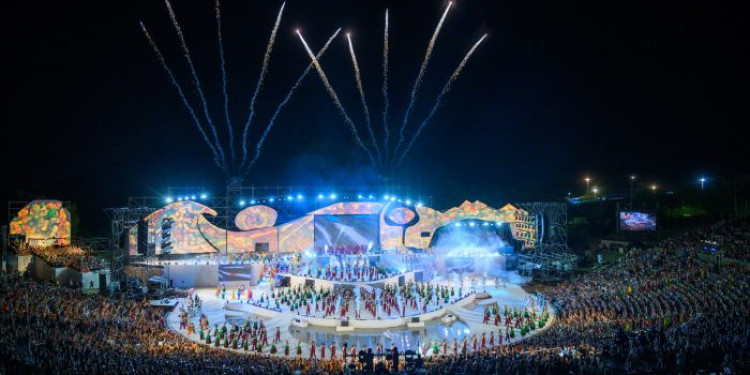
{"points": [[365, 108], [176, 84], [439, 99], [420, 76], [224, 81], [259, 85], [196, 81], [335, 99], [283, 103]]}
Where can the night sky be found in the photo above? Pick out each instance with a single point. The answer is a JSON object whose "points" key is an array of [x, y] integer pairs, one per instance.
{"points": [[559, 90]]}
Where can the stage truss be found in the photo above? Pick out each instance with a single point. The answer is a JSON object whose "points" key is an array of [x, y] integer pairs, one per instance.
{"points": [[122, 220], [551, 257]]}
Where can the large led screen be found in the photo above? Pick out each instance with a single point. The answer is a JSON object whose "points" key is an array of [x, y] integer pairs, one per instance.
{"points": [[346, 230], [637, 221]]}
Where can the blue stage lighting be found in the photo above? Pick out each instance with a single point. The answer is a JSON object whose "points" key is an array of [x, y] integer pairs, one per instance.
{"points": [[192, 197], [371, 196], [289, 198], [242, 202], [320, 196], [252, 201], [393, 199], [471, 224], [332, 196], [272, 199], [419, 204], [386, 197], [359, 196], [204, 196], [408, 201], [300, 197], [169, 200], [179, 199]]}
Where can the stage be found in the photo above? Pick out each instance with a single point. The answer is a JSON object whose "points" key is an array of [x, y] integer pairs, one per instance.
{"points": [[461, 318]]}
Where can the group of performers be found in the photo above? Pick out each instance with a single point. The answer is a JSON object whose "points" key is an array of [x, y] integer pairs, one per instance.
{"points": [[342, 249]]}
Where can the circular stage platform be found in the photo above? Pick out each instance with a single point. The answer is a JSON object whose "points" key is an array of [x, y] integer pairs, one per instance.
{"points": [[433, 318]]}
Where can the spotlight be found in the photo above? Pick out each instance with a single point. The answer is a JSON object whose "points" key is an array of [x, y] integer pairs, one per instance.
{"points": [[242, 202], [386, 197], [204, 196], [179, 199], [471, 224], [289, 198], [192, 197], [300, 197], [359, 196], [393, 199], [272, 199], [169, 200], [320, 196], [370, 196], [408, 201], [332, 196], [419, 204], [252, 201]]}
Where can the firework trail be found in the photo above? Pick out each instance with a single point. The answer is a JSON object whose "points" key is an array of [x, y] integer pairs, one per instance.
{"points": [[196, 81], [224, 81], [365, 108], [422, 69], [259, 85], [336, 101], [386, 102], [439, 99], [272, 121], [176, 84]]}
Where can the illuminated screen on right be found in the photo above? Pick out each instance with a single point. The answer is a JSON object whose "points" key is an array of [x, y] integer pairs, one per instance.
{"points": [[346, 230], [637, 221]]}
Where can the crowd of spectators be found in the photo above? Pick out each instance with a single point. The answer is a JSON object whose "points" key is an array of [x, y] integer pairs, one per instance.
{"points": [[729, 238], [64, 256], [655, 310], [659, 310]]}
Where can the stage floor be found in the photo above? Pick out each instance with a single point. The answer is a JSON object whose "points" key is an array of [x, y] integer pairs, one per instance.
{"points": [[385, 331]]}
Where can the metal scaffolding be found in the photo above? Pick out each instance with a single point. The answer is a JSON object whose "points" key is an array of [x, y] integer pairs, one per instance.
{"points": [[551, 257], [122, 220]]}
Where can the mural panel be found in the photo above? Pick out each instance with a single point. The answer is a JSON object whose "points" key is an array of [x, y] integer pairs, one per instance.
{"points": [[192, 232], [43, 223]]}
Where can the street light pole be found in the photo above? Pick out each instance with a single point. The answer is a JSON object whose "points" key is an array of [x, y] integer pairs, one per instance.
{"points": [[632, 181], [587, 185], [703, 216]]}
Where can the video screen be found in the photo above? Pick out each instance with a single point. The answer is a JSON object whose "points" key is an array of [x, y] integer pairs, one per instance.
{"points": [[346, 230], [637, 221], [235, 273]]}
